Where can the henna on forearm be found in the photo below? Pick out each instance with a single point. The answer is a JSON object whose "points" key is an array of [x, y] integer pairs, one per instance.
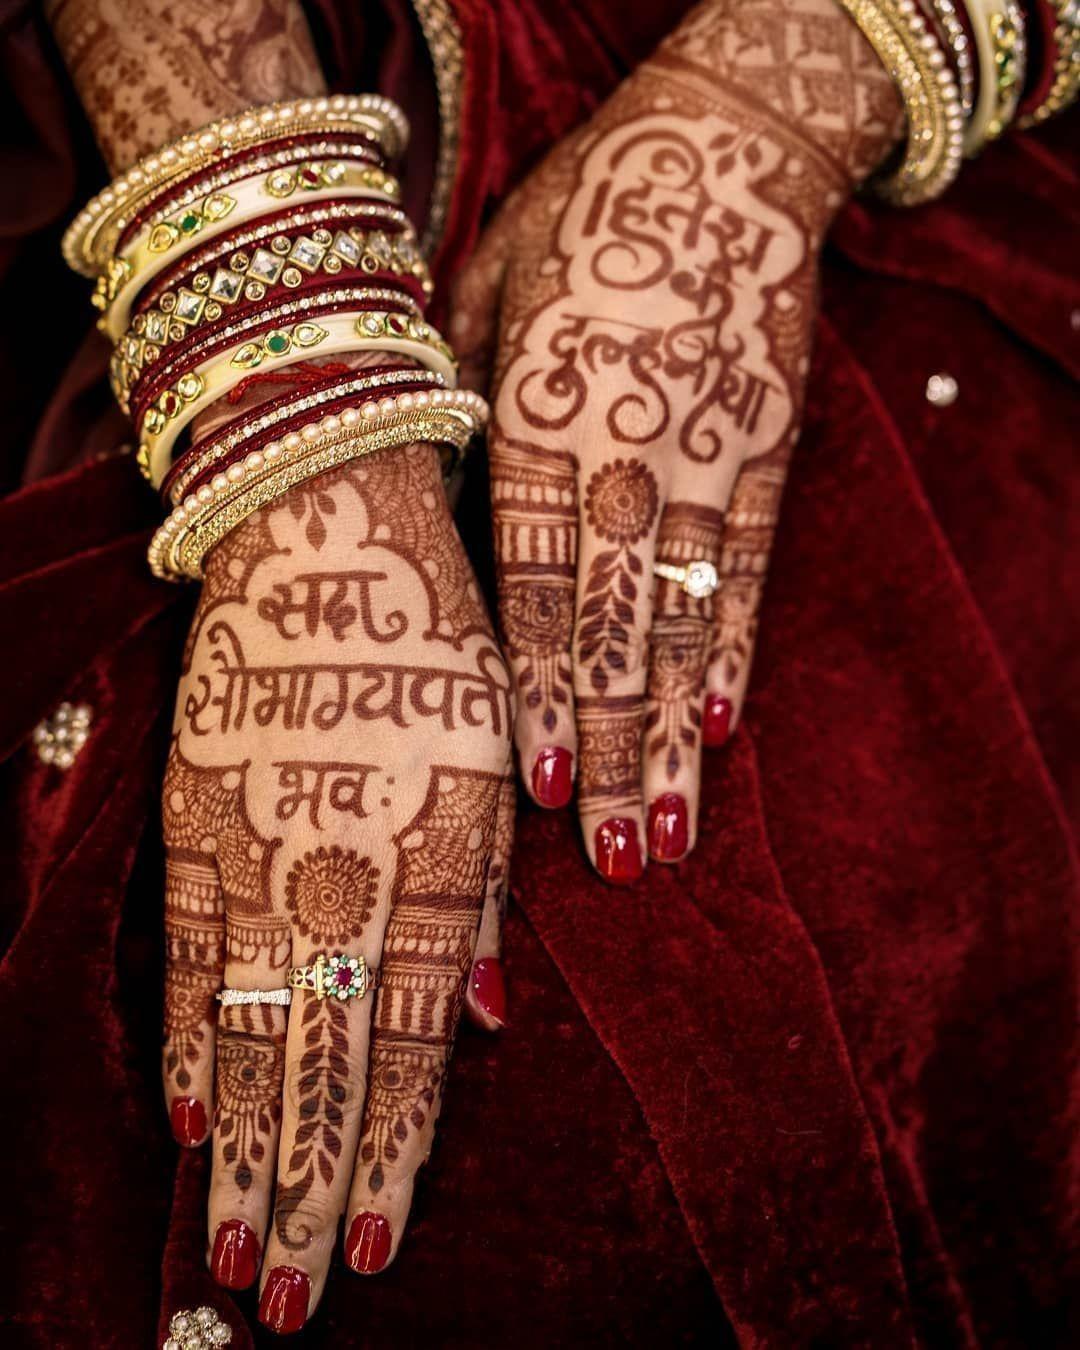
{"points": [[149, 70]]}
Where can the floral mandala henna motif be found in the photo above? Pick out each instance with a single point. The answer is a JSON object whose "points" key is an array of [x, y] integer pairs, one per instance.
{"points": [[621, 503], [437, 899], [331, 894], [250, 1068], [323, 1090]]}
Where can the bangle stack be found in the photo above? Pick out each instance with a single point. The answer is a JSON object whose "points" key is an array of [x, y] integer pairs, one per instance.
{"points": [[960, 68], [248, 252]]}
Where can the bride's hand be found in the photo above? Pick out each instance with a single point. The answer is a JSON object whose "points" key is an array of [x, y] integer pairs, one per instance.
{"points": [[649, 293], [338, 784]]}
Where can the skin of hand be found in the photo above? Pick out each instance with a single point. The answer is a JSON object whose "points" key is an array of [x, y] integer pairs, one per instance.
{"points": [[642, 312], [355, 799], [338, 783]]}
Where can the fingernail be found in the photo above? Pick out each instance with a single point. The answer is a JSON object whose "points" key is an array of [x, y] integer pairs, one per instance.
{"points": [[489, 988], [188, 1121], [669, 832], [368, 1247], [618, 853], [284, 1303], [551, 777], [235, 1261], [717, 726]]}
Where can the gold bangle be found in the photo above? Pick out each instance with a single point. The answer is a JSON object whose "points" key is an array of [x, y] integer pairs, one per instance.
{"points": [[912, 55], [376, 387], [193, 528], [126, 370], [324, 335], [203, 297], [1065, 81], [1001, 47], [155, 246], [90, 240]]}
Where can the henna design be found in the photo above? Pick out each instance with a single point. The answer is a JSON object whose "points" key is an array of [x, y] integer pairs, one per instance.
{"points": [[331, 894], [218, 865], [407, 514], [498, 878], [325, 692], [324, 598], [323, 1091], [228, 573], [620, 503], [250, 1070], [147, 70], [609, 752], [535, 511], [345, 791], [437, 898]]}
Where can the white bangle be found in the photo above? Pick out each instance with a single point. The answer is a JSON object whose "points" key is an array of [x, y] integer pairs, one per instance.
{"points": [[1001, 48]]}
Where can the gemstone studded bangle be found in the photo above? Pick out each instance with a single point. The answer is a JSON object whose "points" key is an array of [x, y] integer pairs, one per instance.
{"points": [[1001, 48]]}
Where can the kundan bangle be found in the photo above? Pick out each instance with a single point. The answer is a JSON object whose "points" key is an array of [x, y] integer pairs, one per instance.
{"points": [[90, 242], [203, 519], [238, 437], [136, 385], [912, 55], [1061, 26], [1001, 47], [326, 335], [154, 247]]}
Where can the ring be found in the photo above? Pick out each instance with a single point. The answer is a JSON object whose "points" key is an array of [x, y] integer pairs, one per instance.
{"points": [[340, 977], [230, 998], [698, 579]]}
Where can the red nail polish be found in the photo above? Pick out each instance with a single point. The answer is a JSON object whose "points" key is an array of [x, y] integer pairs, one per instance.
{"points": [[489, 987], [618, 853], [551, 778], [717, 725], [284, 1303], [235, 1261], [669, 830], [188, 1121], [368, 1245]]}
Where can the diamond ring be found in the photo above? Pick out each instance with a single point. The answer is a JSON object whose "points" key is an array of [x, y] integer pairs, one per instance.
{"points": [[698, 579], [231, 998]]}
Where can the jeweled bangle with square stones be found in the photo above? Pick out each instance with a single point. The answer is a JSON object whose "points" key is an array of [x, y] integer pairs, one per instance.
{"points": [[90, 242], [913, 56], [1001, 50]]}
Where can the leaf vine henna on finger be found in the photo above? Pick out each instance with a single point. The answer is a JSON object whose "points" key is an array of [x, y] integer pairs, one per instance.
{"points": [[250, 1069], [436, 902]]}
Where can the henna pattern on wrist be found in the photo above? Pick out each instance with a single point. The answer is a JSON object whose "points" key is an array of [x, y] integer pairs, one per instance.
{"points": [[250, 1069], [437, 898], [148, 70]]}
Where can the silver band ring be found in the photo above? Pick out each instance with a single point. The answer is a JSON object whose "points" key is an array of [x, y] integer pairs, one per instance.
{"points": [[698, 579], [338, 976], [230, 998]]}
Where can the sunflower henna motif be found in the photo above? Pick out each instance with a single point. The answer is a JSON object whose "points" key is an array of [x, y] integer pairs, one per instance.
{"points": [[331, 893], [621, 501]]}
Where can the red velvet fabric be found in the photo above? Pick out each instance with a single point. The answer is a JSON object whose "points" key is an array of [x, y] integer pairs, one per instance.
{"points": [[814, 1086]]}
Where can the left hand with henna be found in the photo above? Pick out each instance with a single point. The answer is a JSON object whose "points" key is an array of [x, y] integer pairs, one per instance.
{"points": [[649, 293]]}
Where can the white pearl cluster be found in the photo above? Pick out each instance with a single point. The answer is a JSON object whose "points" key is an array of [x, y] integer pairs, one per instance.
{"points": [[202, 1329], [59, 738]]}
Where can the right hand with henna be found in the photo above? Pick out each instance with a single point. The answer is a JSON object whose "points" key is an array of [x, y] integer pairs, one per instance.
{"points": [[337, 785]]}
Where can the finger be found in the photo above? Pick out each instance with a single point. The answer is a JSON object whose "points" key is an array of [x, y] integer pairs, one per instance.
{"points": [[535, 513], [335, 896], [474, 300], [744, 560], [485, 1001], [439, 890], [194, 952], [611, 641], [682, 629]]}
